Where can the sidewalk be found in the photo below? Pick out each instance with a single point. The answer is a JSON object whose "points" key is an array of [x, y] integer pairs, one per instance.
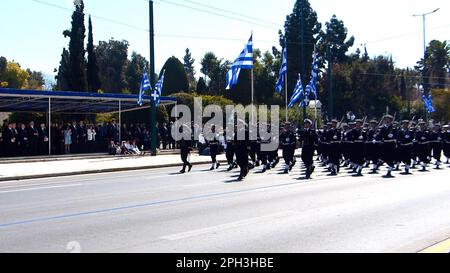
{"points": [[72, 166]]}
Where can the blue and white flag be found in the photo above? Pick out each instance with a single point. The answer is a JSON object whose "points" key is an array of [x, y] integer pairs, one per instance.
{"points": [[283, 73], [307, 94], [428, 103], [298, 92], [314, 74], [244, 61], [145, 86], [158, 90]]}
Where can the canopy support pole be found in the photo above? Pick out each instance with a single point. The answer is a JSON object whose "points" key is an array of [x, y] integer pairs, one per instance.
{"points": [[49, 126]]}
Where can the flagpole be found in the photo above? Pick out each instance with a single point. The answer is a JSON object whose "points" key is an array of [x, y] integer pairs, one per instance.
{"points": [[253, 86], [286, 80], [253, 90]]}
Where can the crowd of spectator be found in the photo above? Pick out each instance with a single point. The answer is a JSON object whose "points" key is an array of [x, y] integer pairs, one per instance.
{"points": [[27, 139]]}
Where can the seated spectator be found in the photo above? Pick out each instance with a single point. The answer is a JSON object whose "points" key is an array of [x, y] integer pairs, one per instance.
{"points": [[114, 149], [135, 150], [126, 148]]}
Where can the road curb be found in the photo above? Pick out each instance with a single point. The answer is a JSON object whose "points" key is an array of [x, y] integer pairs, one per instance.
{"points": [[122, 169]]}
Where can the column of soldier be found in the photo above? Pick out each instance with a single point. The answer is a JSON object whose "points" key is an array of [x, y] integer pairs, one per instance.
{"points": [[355, 145]]}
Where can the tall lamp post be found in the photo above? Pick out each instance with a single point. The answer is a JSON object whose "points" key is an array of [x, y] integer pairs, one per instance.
{"points": [[424, 71]]}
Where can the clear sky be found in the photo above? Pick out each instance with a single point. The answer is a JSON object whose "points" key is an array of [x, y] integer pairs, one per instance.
{"points": [[31, 32]]}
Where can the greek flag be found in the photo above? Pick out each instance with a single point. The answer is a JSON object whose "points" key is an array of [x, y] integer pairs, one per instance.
{"points": [[244, 61], [283, 73], [145, 85], [315, 70], [298, 92], [428, 103], [158, 90], [305, 101]]}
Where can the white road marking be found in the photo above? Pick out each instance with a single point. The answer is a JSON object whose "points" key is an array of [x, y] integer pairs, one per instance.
{"points": [[198, 232], [41, 188]]}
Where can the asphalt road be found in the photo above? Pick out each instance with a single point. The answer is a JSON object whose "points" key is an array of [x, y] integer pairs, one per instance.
{"points": [[161, 211]]}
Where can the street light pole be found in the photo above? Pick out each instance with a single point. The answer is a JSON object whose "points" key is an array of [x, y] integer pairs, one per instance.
{"points": [[424, 71]]}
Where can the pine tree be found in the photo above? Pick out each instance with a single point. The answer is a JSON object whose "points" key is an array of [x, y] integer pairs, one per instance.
{"points": [[93, 79], [301, 30], [335, 37], [134, 71], [77, 80]]}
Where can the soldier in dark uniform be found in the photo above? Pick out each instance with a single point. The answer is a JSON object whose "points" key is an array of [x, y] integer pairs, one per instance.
{"points": [[389, 135], [263, 140], [436, 144], [326, 145], [214, 148], [446, 142], [358, 138], [185, 150], [405, 139], [414, 155], [346, 144], [287, 142], [242, 149], [373, 145], [229, 152], [309, 141], [335, 155], [423, 142]]}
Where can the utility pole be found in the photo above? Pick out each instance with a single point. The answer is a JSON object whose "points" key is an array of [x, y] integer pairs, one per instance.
{"points": [[330, 85], [425, 79], [152, 78], [302, 33]]}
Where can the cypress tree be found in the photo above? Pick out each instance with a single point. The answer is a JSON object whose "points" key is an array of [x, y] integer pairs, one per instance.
{"points": [[77, 80], [93, 79]]}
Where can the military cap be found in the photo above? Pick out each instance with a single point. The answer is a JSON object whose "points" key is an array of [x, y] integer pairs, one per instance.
{"points": [[308, 121], [421, 122], [388, 116], [352, 123], [359, 121], [373, 121], [446, 126], [329, 123], [344, 125], [437, 125], [334, 121], [405, 121]]}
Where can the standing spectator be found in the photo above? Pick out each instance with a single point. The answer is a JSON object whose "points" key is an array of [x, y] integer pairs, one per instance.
{"points": [[171, 140], [164, 135], [67, 139], [74, 148], [82, 137], [91, 134], [23, 143], [43, 140], [33, 137]]}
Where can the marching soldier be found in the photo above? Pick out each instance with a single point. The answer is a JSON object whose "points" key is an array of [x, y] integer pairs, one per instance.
{"points": [[373, 145], [346, 144], [214, 148], [358, 138], [423, 142], [242, 150], [288, 140], [229, 152], [405, 140], [389, 136], [446, 142], [309, 141], [334, 138], [264, 155], [186, 146], [436, 144]]}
